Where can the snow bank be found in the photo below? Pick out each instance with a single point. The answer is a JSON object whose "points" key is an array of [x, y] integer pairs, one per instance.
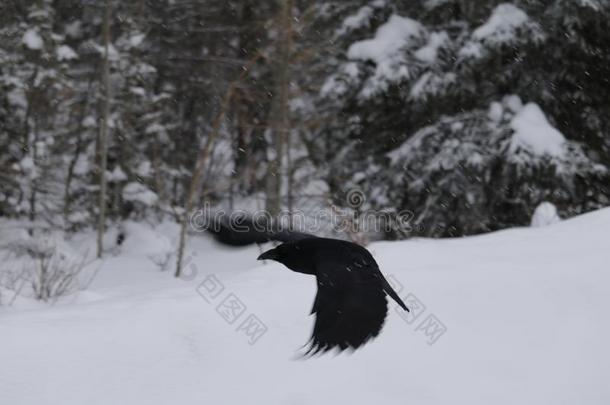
{"points": [[141, 239], [525, 314], [545, 214]]}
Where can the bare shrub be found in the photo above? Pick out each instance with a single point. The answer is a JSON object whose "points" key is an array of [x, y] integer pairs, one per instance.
{"points": [[162, 259], [54, 276], [38, 263]]}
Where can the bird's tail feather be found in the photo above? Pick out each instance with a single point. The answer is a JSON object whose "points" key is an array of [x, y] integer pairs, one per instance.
{"points": [[390, 291]]}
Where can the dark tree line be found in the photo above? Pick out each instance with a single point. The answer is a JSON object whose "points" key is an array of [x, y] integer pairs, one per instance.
{"points": [[416, 104]]}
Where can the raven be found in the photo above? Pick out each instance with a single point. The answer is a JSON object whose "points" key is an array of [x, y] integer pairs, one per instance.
{"points": [[350, 304]]}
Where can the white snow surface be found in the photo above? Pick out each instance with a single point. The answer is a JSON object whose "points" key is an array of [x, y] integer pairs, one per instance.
{"points": [[526, 312], [534, 133], [545, 214]]}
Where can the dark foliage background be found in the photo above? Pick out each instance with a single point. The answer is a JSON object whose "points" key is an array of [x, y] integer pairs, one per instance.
{"points": [[426, 125]]}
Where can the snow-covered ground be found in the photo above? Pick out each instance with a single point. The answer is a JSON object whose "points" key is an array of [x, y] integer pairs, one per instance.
{"points": [[520, 317]]}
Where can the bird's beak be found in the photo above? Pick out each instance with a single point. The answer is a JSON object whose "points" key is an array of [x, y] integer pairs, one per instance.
{"points": [[269, 255]]}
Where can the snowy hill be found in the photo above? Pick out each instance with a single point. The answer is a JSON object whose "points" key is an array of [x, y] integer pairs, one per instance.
{"points": [[520, 317]]}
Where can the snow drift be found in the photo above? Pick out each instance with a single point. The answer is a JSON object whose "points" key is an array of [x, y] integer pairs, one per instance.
{"points": [[525, 315]]}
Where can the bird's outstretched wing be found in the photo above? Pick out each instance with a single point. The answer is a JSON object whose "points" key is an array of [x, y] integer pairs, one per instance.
{"points": [[350, 305], [347, 317]]}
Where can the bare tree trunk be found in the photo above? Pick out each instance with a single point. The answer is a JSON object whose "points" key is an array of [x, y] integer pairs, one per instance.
{"points": [[75, 157], [158, 175], [280, 121], [103, 144], [33, 194], [30, 148], [202, 159], [289, 177], [285, 99]]}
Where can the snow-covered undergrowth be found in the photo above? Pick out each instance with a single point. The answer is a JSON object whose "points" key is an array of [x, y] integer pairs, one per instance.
{"points": [[525, 310]]}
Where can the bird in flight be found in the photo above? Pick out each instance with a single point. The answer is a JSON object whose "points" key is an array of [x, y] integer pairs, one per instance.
{"points": [[350, 304]]}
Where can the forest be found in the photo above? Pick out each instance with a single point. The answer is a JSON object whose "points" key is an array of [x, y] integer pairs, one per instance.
{"points": [[437, 170], [296, 103]]}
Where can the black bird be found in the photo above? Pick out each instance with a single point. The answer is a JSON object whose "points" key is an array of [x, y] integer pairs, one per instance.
{"points": [[350, 304]]}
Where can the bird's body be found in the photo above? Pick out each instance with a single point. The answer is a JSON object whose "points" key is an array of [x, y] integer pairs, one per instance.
{"points": [[350, 305]]}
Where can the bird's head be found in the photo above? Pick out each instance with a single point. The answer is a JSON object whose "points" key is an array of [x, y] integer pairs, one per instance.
{"points": [[292, 255], [271, 254]]}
